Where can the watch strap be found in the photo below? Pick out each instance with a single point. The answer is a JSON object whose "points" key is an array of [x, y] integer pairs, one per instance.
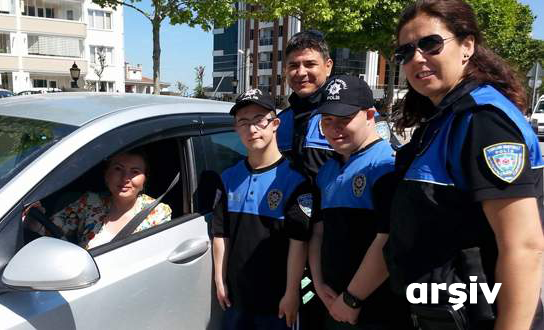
{"points": [[351, 300]]}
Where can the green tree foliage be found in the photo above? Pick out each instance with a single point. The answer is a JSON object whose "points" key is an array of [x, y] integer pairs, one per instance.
{"points": [[507, 26], [371, 24], [203, 13], [199, 80]]}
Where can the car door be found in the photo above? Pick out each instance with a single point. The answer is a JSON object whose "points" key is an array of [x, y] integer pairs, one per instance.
{"points": [[160, 278]]}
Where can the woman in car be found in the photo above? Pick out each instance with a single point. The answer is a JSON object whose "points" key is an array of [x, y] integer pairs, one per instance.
{"points": [[468, 206], [95, 219]]}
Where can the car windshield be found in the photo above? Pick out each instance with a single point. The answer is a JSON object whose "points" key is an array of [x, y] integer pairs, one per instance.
{"points": [[23, 140]]}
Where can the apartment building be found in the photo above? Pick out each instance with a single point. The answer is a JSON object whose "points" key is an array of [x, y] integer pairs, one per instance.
{"points": [[250, 54], [40, 40]]}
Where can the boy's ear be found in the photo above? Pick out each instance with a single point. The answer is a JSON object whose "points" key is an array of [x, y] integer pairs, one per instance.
{"points": [[276, 122]]}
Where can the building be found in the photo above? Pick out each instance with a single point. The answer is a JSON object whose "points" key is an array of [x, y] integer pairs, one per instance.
{"points": [[40, 40], [235, 53], [135, 82], [249, 54]]}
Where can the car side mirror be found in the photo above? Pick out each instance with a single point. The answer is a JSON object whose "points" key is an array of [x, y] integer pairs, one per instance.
{"points": [[50, 264]]}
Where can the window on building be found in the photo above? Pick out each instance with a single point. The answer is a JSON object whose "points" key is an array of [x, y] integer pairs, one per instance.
{"points": [[55, 46], [99, 19], [5, 47], [97, 51], [251, 34], [6, 7], [280, 54], [41, 8], [39, 82], [70, 15], [278, 80], [280, 31], [50, 12], [52, 84]]}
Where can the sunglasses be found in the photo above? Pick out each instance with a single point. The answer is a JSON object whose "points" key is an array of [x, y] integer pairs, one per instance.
{"points": [[429, 45]]}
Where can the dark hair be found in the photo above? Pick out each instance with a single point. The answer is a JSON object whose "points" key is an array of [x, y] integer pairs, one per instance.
{"points": [[138, 151], [484, 65], [308, 39]]}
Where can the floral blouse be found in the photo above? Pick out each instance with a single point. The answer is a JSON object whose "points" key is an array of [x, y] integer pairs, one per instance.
{"points": [[84, 218]]}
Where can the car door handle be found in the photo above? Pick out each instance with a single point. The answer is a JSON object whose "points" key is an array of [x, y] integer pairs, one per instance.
{"points": [[189, 250]]}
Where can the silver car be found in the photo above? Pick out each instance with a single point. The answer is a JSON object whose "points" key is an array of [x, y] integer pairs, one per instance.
{"points": [[51, 150]]}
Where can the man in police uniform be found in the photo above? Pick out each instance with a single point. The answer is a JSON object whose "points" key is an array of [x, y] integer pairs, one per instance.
{"points": [[260, 225], [308, 65], [345, 249]]}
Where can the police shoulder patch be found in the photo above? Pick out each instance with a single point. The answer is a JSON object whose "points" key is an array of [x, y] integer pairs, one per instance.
{"points": [[274, 198], [358, 185], [305, 203], [505, 160]]}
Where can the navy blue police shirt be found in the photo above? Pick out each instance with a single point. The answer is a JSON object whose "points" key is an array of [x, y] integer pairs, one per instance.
{"points": [[259, 211], [346, 204], [300, 137], [478, 146]]}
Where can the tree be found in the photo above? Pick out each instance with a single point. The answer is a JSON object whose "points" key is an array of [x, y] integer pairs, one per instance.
{"points": [[100, 65], [199, 78], [371, 25], [182, 88], [203, 13]]}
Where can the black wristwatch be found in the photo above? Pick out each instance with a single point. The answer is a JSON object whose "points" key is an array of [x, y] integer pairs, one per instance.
{"points": [[351, 300]]}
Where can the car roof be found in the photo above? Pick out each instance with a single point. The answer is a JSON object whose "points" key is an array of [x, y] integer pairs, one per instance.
{"points": [[77, 109]]}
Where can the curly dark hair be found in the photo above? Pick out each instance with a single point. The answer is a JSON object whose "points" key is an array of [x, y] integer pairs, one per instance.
{"points": [[308, 39], [484, 65]]}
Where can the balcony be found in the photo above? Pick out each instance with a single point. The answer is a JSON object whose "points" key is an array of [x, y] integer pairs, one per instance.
{"points": [[53, 26], [48, 65], [7, 22]]}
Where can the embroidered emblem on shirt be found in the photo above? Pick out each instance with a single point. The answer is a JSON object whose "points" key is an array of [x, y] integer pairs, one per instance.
{"points": [[334, 87], [383, 130], [217, 197], [274, 198], [358, 185], [505, 160], [305, 204]]}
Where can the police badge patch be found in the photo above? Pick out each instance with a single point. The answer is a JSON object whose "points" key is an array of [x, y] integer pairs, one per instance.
{"points": [[383, 130], [274, 198], [305, 204], [358, 185], [505, 160]]}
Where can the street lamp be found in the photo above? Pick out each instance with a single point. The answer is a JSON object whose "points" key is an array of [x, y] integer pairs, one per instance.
{"points": [[74, 73], [234, 85]]}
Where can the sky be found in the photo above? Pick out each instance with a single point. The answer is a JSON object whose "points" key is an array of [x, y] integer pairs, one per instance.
{"points": [[183, 48]]}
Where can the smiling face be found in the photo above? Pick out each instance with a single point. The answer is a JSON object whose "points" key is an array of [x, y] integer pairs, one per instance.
{"points": [[306, 71], [434, 75], [256, 127], [125, 176], [348, 134]]}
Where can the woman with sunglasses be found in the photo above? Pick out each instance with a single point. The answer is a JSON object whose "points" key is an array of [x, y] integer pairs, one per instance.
{"points": [[470, 197]]}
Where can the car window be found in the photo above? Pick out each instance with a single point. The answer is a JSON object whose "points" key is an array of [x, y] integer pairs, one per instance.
{"points": [[83, 172], [540, 107], [213, 154], [222, 150], [22, 140]]}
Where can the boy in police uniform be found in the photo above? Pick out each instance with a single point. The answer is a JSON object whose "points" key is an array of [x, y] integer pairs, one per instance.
{"points": [[261, 225], [345, 252]]}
